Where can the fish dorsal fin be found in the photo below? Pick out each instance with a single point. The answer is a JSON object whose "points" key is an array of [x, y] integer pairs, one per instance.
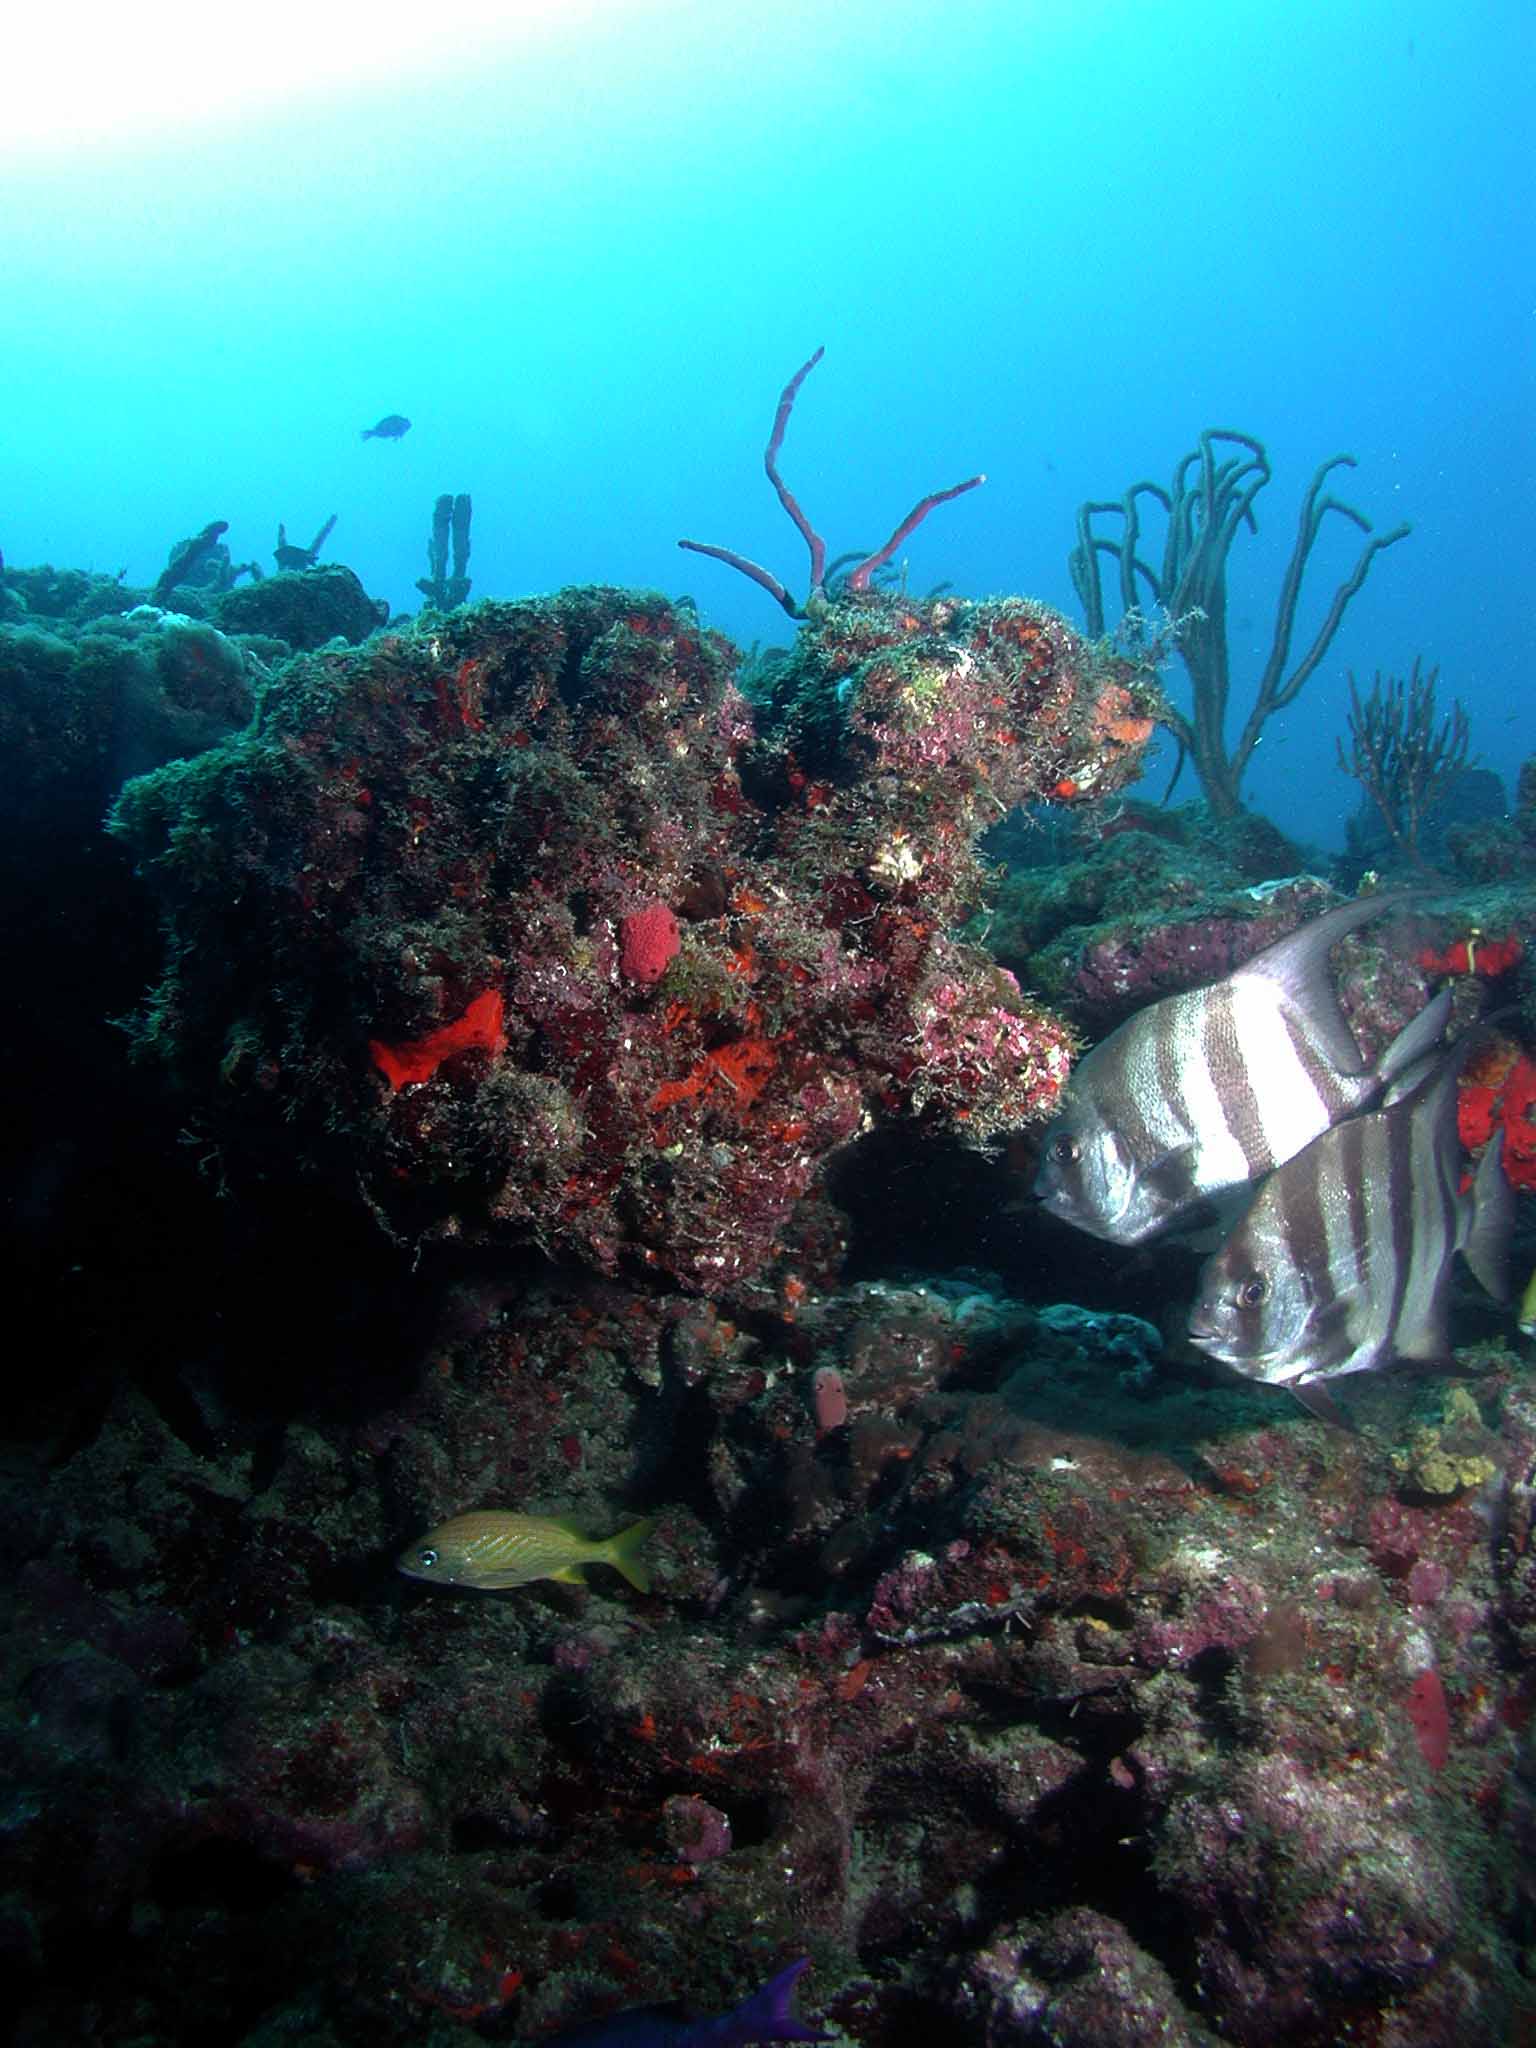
{"points": [[1491, 1221], [1297, 967]]}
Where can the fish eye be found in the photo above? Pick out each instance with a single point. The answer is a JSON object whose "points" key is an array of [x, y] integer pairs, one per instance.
{"points": [[1252, 1292], [426, 1559], [1064, 1151]]}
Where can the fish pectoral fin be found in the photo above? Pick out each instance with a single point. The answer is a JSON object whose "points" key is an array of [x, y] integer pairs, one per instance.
{"points": [[1411, 1054], [1207, 1224], [1428, 1337], [1171, 1170], [1316, 1399], [1491, 1222], [1429, 1342]]}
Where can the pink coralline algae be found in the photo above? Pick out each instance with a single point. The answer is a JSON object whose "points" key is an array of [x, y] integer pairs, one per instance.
{"points": [[1128, 962], [1135, 969], [697, 1831], [1431, 1718], [829, 1398], [528, 926]]}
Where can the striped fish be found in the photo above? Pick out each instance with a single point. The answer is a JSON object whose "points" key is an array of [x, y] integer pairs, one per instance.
{"points": [[492, 1550], [1343, 1261], [1208, 1090]]}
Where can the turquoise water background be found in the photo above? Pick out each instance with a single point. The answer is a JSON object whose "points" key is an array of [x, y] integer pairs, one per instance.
{"points": [[583, 248]]}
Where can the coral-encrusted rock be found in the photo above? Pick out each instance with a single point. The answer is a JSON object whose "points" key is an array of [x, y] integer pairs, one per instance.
{"points": [[1363, 1914], [1078, 1981], [305, 608], [1525, 801], [1106, 1728], [82, 707], [405, 911]]}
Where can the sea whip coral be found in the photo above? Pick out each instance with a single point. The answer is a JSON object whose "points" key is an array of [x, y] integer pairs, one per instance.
{"points": [[1189, 588], [860, 576]]}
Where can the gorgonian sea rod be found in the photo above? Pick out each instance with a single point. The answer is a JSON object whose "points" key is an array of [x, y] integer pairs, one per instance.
{"points": [[525, 924]]}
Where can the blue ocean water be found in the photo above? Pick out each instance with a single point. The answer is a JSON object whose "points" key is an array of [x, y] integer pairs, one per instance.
{"points": [[582, 248]]}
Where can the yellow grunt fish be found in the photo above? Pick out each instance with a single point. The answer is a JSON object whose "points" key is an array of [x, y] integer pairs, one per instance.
{"points": [[491, 1550], [1528, 1307]]}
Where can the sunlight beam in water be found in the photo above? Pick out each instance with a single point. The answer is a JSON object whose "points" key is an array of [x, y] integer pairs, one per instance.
{"points": [[101, 74]]}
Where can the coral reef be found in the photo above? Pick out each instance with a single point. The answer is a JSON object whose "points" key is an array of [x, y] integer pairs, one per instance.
{"points": [[99, 684], [1034, 1686], [87, 702], [1045, 1697], [305, 608], [1466, 832], [1143, 917], [632, 971], [1525, 802], [71, 596], [1498, 1093]]}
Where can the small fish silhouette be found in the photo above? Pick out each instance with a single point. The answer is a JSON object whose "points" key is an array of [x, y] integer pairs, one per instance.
{"points": [[390, 428]]}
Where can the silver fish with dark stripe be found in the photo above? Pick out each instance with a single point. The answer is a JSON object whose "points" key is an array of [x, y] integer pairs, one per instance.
{"points": [[1207, 1091], [1343, 1262]]}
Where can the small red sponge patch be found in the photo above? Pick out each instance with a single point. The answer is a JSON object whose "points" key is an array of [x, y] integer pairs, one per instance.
{"points": [[648, 941], [418, 1059]]}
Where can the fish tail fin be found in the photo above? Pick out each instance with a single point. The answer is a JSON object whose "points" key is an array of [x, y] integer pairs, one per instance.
{"points": [[768, 2015], [619, 1551], [368, 433], [1527, 1309], [1492, 1221]]}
